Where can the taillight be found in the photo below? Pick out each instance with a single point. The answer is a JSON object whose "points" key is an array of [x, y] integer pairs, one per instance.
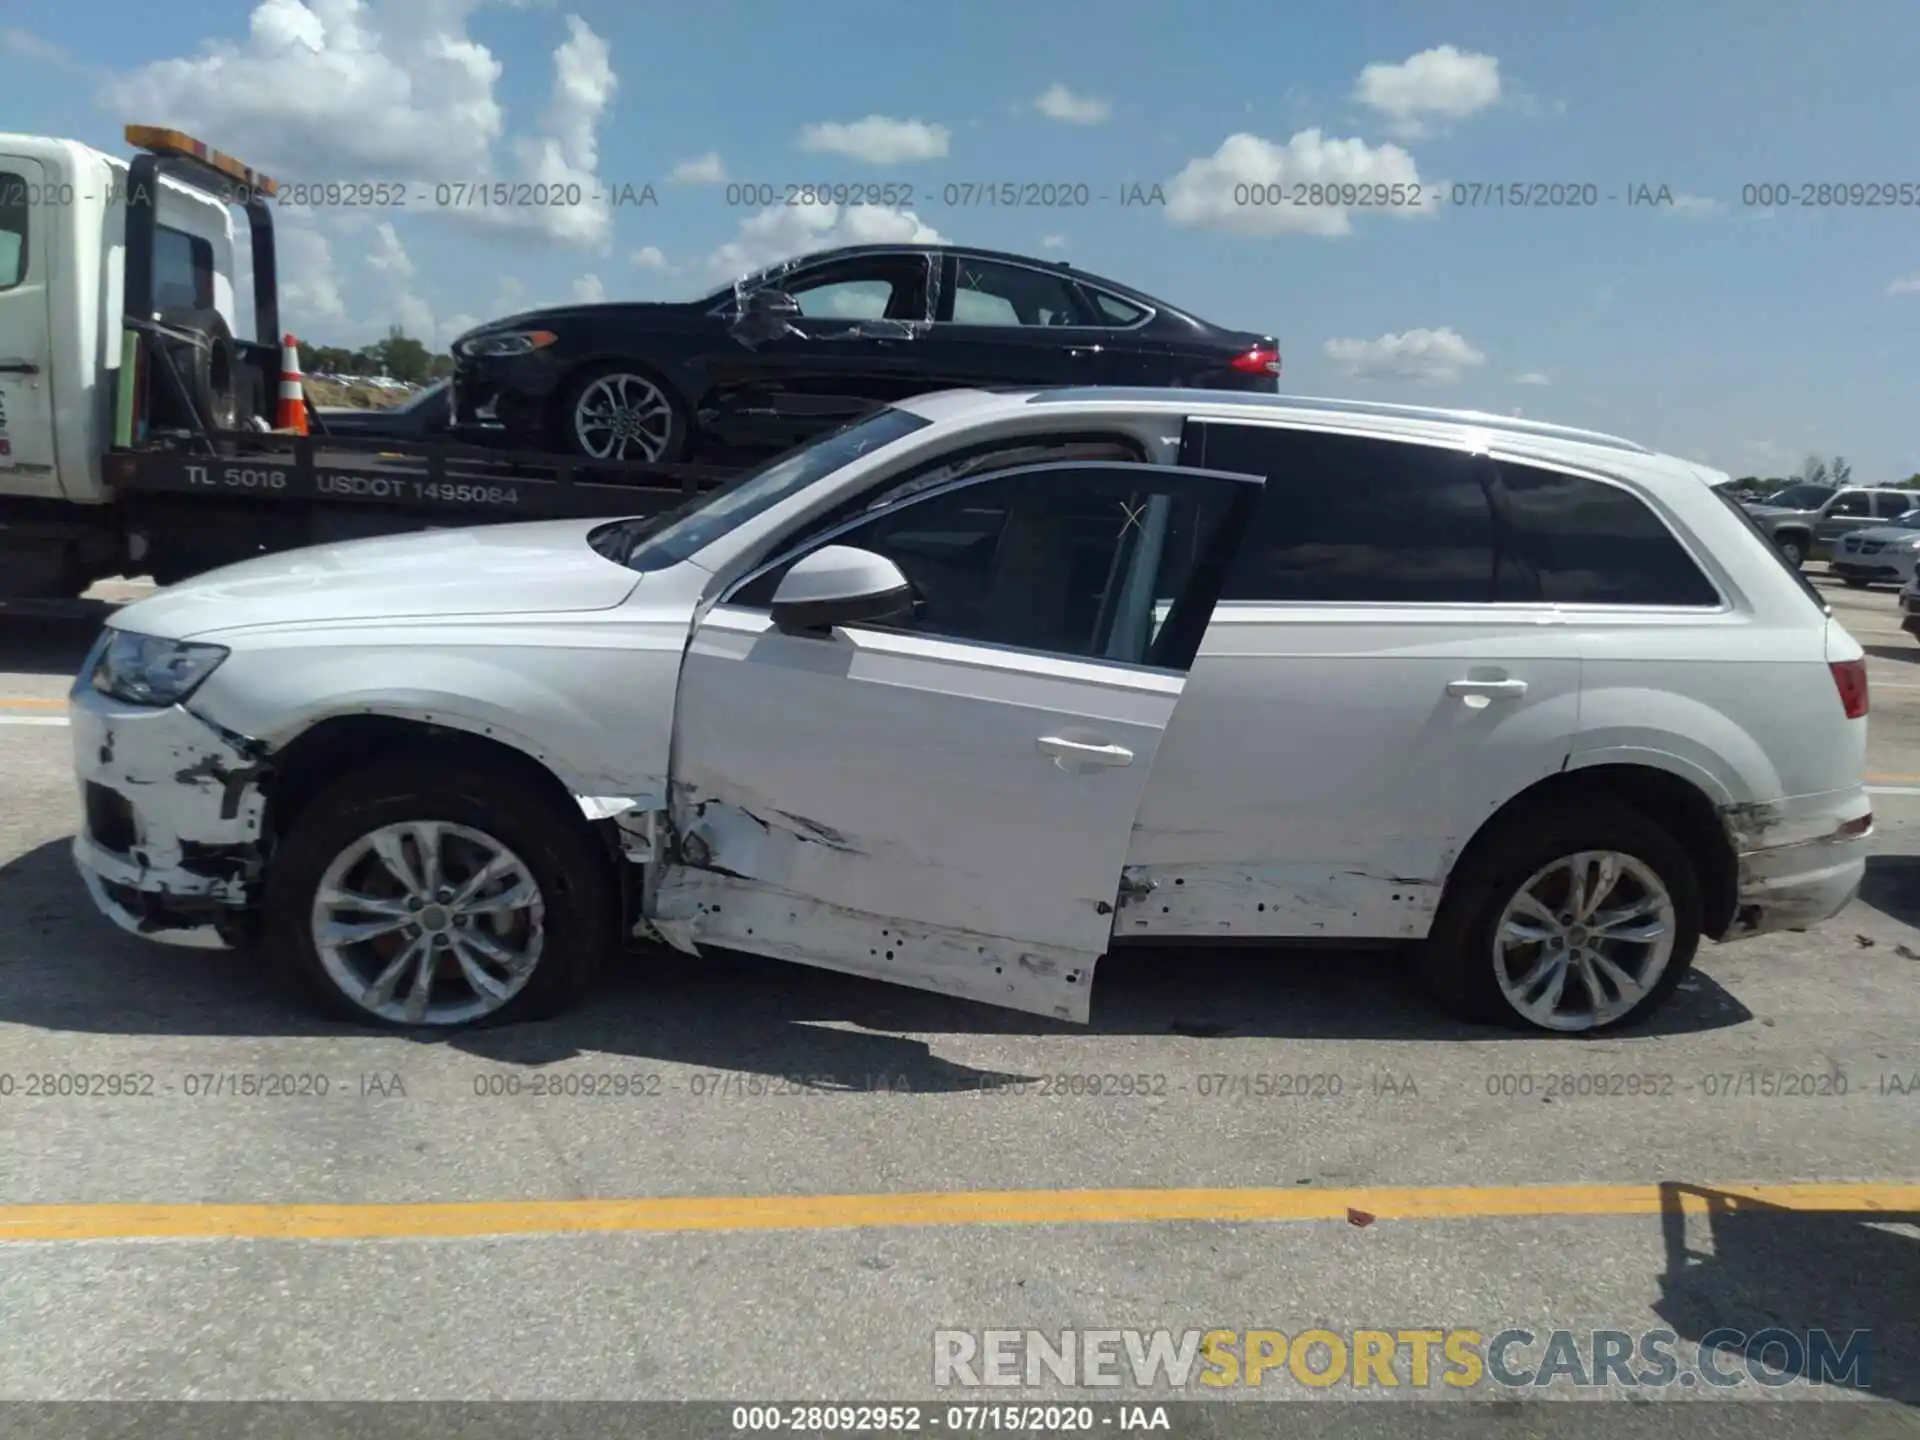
{"points": [[1261, 360], [1850, 679]]}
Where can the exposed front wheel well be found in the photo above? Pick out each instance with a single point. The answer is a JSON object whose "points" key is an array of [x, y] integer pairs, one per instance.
{"points": [[1676, 805], [347, 744]]}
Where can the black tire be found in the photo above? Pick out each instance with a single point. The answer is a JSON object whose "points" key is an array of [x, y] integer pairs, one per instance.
{"points": [[1854, 582], [564, 435], [1458, 957], [208, 364], [572, 875], [1793, 548]]}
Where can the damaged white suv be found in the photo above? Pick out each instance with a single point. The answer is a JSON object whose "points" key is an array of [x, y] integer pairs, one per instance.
{"points": [[970, 691]]}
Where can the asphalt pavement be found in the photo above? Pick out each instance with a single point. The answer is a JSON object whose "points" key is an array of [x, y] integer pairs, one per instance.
{"points": [[739, 1181]]}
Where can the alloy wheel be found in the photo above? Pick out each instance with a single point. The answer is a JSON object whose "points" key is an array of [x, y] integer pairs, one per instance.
{"points": [[623, 417], [428, 923], [1584, 940]]}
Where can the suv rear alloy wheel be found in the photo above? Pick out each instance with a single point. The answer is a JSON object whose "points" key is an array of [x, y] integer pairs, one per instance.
{"points": [[439, 898], [1794, 549], [1569, 923]]}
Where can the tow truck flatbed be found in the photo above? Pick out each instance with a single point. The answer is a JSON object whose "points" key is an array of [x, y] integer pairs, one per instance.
{"points": [[475, 483]]}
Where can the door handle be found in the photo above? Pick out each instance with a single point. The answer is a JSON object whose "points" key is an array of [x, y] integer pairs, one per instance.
{"points": [[18, 367], [1089, 752], [1497, 689]]}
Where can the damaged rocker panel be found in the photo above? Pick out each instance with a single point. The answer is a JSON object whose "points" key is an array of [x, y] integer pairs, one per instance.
{"points": [[1277, 900], [705, 907]]}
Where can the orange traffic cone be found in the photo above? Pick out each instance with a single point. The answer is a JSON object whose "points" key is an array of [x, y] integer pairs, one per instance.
{"points": [[292, 413]]}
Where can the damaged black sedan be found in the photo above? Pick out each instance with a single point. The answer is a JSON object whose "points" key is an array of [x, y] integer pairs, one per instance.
{"points": [[783, 354]]}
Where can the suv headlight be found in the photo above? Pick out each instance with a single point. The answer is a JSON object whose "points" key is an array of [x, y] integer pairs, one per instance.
{"points": [[146, 670], [515, 342]]}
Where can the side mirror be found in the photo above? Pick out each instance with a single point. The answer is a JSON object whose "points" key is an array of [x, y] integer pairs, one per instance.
{"points": [[840, 585], [765, 314]]}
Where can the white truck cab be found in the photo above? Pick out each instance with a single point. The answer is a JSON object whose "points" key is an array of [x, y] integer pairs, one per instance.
{"points": [[63, 228]]}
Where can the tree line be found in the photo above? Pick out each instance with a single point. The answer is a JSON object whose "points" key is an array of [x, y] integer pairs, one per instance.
{"points": [[1814, 470], [398, 355]]}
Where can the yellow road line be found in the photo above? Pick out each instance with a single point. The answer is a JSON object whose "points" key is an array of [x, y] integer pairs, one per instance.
{"points": [[21, 702], [841, 1212], [1874, 779]]}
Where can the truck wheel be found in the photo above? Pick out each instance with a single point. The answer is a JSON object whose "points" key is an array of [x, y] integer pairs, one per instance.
{"points": [[620, 411], [1854, 582], [436, 897], [207, 363], [1794, 549]]}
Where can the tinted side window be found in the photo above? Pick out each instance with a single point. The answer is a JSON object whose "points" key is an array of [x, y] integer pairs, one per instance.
{"points": [[13, 229], [986, 293], [1580, 542], [1891, 503], [1116, 311], [1851, 502], [1082, 560], [1351, 519], [889, 287]]}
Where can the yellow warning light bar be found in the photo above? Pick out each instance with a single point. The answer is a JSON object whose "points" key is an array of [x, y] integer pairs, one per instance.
{"points": [[161, 141]]}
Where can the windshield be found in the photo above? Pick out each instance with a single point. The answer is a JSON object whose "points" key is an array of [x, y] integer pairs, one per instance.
{"points": [[1801, 497], [666, 539], [1906, 520]]}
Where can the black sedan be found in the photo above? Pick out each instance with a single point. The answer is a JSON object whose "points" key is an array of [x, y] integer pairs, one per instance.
{"points": [[786, 352]]}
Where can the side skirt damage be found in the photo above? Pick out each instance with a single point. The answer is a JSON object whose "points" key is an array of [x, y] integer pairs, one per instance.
{"points": [[693, 907]]}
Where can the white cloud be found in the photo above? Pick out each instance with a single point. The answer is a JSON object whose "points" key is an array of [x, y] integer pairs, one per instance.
{"points": [[383, 90], [589, 290], [1532, 377], [567, 153], [1057, 102], [707, 169], [387, 255], [310, 293], [1905, 285], [878, 140], [1694, 205], [509, 296], [650, 257], [25, 45], [454, 326], [1444, 82], [1053, 242], [1216, 191], [784, 231], [1425, 355]]}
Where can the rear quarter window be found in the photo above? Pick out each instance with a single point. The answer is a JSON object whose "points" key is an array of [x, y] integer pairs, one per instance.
{"points": [[1576, 541]]}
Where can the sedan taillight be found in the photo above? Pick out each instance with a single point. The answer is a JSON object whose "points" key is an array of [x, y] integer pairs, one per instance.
{"points": [[1261, 360]]}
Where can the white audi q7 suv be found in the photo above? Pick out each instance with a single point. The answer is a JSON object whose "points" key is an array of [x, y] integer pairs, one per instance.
{"points": [[982, 685]]}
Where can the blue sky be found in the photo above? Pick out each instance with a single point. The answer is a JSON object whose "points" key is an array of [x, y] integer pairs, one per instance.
{"points": [[1738, 335]]}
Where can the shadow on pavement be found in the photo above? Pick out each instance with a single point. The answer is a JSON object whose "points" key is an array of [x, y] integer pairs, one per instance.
{"points": [[1906, 654], [1892, 886], [1794, 1271], [64, 968]]}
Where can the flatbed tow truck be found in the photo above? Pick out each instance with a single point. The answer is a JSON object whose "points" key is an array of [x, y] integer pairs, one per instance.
{"points": [[136, 427]]}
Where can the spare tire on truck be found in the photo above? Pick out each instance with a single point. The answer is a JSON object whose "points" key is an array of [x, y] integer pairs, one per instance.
{"points": [[200, 344]]}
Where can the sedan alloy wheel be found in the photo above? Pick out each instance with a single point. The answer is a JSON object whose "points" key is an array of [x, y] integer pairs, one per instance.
{"points": [[623, 416]]}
